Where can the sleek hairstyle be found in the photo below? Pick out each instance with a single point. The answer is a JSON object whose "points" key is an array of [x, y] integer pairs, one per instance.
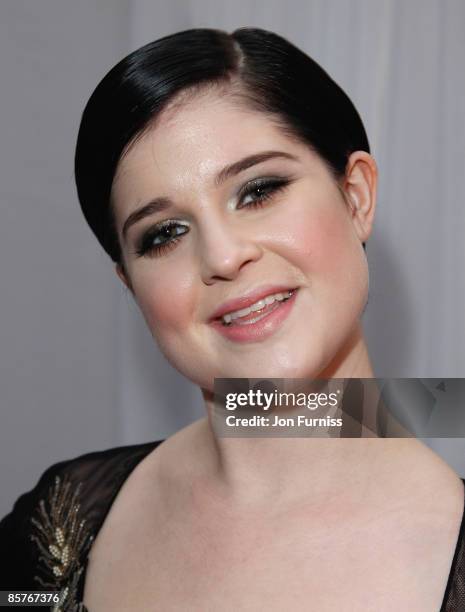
{"points": [[259, 69]]}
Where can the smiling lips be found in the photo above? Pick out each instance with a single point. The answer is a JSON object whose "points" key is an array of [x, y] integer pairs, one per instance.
{"points": [[258, 316], [261, 307], [249, 299]]}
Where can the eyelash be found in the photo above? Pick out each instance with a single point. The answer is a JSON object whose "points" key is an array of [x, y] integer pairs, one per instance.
{"points": [[146, 247]]}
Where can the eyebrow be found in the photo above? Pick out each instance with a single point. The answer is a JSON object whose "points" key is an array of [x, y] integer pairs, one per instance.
{"points": [[162, 203]]}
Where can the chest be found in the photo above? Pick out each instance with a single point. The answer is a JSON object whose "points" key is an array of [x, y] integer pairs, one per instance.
{"points": [[395, 563]]}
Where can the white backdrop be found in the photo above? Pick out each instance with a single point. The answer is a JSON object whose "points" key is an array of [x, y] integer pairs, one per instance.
{"points": [[78, 368]]}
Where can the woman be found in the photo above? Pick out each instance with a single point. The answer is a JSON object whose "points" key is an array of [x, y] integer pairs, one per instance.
{"points": [[222, 171]]}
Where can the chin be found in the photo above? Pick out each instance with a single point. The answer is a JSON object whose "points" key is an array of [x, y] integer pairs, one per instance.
{"points": [[279, 362]]}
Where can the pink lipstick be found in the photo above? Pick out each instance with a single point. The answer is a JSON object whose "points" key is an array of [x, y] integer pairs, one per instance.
{"points": [[262, 321]]}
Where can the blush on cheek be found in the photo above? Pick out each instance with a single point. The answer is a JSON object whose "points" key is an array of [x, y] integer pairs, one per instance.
{"points": [[324, 238], [165, 299], [162, 312], [168, 306]]}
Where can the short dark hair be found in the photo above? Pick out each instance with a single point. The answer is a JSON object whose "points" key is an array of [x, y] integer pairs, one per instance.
{"points": [[264, 70]]}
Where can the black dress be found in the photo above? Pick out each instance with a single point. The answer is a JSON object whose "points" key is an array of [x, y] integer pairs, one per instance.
{"points": [[45, 539]]}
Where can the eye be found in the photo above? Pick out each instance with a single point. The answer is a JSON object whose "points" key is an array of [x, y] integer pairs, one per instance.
{"points": [[165, 235], [263, 189], [161, 238]]}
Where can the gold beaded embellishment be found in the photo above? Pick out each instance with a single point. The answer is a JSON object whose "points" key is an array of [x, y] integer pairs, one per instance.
{"points": [[61, 536]]}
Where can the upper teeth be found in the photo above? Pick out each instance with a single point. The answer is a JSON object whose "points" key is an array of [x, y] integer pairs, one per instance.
{"points": [[269, 299]]}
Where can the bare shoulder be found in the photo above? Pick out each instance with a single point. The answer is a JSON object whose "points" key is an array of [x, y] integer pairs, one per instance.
{"points": [[430, 491], [432, 481], [137, 520], [182, 456]]}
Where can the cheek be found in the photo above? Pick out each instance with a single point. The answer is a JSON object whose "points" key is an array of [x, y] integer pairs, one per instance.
{"points": [[324, 245], [320, 236], [340, 266], [166, 300]]}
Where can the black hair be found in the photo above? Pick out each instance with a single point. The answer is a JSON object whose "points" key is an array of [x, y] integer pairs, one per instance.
{"points": [[263, 70]]}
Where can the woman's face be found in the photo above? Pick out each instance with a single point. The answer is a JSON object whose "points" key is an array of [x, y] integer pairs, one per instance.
{"points": [[280, 223]]}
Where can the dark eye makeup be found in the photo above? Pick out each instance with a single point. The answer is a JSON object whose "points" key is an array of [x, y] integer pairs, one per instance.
{"points": [[164, 236]]}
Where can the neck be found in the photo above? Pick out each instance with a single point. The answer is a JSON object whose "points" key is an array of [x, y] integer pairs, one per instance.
{"points": [[270, 470]]}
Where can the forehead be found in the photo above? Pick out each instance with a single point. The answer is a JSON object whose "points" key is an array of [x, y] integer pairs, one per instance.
{"points": [[190, 142]]}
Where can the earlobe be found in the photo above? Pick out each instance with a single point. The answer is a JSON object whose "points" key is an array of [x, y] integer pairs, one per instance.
{"points": [[360, 187]]}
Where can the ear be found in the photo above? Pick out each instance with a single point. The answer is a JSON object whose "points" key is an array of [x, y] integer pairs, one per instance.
{"points": [[360, 185], [122, 275]]}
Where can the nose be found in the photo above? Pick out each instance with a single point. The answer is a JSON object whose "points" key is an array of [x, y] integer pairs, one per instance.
{"points": [[225, 249]]}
